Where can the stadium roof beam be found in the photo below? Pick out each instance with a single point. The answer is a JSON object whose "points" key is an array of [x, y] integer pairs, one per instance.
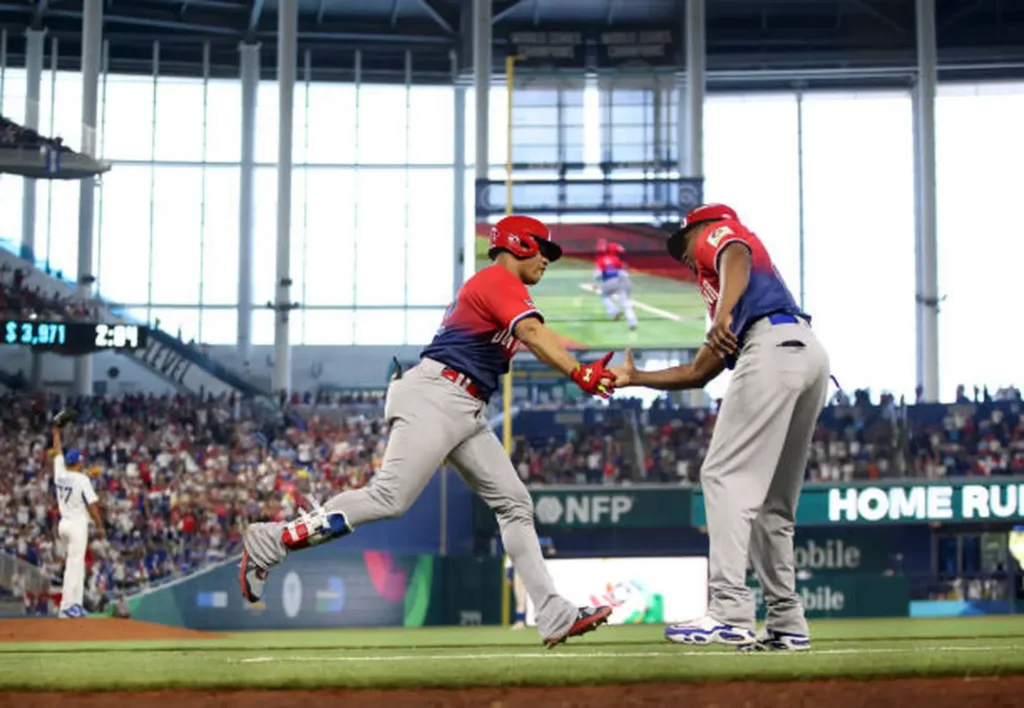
{"points": [[255, 12], [953, 19], [884, 19], [609, 16], [434, 14], [508, 9], [38, 13]]}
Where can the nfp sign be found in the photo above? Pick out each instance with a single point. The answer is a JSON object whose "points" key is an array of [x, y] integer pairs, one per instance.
{"points": [[584, 509], [625, 506], [932, 502]]}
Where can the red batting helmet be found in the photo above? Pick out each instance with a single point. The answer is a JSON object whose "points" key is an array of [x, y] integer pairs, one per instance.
{"points": [[523, 237], [702, 214], [616, 248]]}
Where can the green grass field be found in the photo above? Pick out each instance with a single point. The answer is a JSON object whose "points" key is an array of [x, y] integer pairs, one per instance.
{"points": [[484, 656], [671, 313]]}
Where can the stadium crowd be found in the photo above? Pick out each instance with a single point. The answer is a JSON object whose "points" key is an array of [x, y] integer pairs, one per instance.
{"points": [[15, 136], [856, 440], [179, 477], [19, 299]]}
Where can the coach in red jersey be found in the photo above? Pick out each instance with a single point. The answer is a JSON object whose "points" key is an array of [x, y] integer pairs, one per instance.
{"points": [[754, 469]]}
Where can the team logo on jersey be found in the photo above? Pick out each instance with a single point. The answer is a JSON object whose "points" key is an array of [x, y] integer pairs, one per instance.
{"points": [[718, 234], [529, 303]]}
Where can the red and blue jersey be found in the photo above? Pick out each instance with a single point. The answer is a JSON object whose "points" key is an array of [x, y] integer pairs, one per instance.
{"points": [[608, 266], [766, 293], [476, 335]]}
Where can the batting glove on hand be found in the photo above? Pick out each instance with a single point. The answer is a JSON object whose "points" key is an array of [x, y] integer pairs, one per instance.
{"points": [[594, 378], [64, 417]]}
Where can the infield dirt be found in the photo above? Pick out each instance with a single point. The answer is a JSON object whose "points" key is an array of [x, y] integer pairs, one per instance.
{"points": [[92, 630], [991, 692]]}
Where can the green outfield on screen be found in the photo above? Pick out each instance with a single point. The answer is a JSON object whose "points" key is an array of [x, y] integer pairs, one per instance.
{"points": [[671, 313], [488, 656]]}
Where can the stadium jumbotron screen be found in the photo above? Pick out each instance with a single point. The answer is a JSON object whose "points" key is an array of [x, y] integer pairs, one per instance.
{"points": [[665, 308]]}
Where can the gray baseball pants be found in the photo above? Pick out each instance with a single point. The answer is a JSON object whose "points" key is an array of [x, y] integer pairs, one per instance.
{"points": [[754, 471], [433, 419]]}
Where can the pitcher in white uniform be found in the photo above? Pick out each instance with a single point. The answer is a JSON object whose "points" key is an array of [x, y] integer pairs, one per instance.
{"points": [[77, 502]]}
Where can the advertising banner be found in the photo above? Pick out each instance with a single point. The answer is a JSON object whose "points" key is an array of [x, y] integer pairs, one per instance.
{"points": [[307, 591], [641, 590], [603, 507], [323, 587], [865, 595], [950, 502]]}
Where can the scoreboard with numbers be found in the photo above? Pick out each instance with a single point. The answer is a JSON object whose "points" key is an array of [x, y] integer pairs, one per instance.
{"points": [[72, 338]]}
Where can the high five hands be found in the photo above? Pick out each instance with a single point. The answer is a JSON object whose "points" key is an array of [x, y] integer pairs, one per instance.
{"points": [[598, 379], [595, 378], [625, 372]]}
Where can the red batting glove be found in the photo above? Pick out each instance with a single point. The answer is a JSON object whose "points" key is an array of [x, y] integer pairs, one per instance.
{"points": [[594, 378]]}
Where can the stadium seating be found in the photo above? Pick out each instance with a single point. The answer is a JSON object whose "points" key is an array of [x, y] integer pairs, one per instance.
{"points": [[27, 289], [179, 477], [23, 151]]}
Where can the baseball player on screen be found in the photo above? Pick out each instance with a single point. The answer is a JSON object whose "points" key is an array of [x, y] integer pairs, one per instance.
{"points": [[613, 278], [77, 502], [757, 457], [436, 411]]}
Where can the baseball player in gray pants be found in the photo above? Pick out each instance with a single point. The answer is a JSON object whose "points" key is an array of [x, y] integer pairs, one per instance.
{"points": [[436, 411], [754, 469]]}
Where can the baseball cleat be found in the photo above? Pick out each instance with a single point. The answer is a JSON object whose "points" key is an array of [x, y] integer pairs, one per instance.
{"points": [[251, 578], [314, 528], [587, 620], [707, 630], [771, 640], [73, 612]]}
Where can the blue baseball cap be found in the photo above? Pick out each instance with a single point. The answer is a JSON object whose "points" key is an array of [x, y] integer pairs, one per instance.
{"points": [[73, 456]]}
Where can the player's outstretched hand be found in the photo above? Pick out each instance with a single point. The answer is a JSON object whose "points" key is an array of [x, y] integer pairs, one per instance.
{"points": [[595, 378], [64, 417], [625, 371]]}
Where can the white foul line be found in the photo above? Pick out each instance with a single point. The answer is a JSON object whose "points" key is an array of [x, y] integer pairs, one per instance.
{"points": [[590, 288], [616, 655]]}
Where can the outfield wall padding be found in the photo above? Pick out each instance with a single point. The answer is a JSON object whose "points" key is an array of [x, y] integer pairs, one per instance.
{"points": [[324, 588]]}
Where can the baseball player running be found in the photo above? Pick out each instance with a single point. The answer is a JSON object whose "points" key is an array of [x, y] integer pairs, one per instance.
{"points": [[613, 277], [757, 457], [436, 412], [77, 502]]}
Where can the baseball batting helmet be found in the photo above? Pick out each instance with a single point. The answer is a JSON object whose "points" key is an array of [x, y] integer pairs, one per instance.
{"points": [[702, 214], [523, 237], [616, 248]]}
